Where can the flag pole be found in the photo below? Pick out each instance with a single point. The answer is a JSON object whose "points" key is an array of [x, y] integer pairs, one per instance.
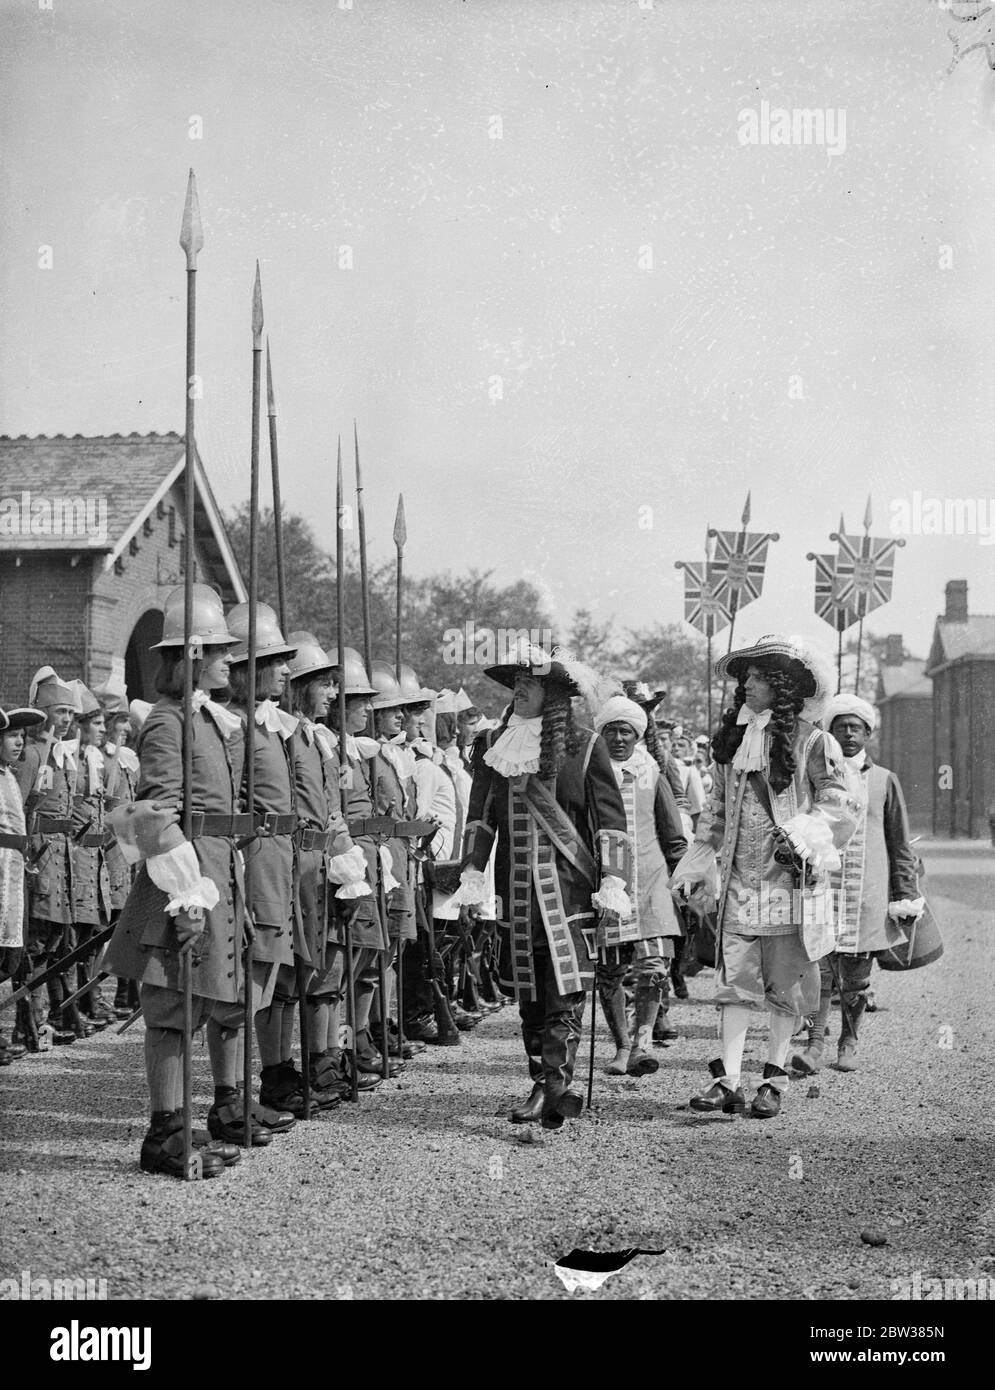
{"points": [[734, 593]]}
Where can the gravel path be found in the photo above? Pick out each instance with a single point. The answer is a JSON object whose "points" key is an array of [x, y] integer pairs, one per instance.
{"points": [[425, 1190]]}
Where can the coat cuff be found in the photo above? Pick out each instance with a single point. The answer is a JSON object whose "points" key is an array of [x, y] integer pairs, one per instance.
{"points": [[698, 865], [359, 889], [813, 840], [612, 897], [178, 874], [907, 907]]}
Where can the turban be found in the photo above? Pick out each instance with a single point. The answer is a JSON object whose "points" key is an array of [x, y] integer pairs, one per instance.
{"points": [[621, 710], [850, 704]]}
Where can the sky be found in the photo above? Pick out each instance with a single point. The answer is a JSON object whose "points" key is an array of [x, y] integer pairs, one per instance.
{"points": [[528, 246]]}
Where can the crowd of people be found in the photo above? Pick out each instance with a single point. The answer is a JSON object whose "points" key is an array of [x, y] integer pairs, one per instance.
{"points": [[392, 866]]}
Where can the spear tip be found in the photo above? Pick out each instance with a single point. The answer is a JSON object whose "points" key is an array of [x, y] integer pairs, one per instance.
{"points": [[867, 514], [746, 511], [257, 313], [191, 231], [271, 402], [400, 529]]}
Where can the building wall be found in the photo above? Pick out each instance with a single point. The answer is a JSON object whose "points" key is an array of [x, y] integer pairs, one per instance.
{"points": [[906, 747], [963, 697], [42, 618], [118, 601], [982, 746]]}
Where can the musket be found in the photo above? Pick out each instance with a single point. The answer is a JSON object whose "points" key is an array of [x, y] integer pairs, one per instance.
{"points": [[371, 729], [191, 240], [344, 771], [250, 691], [281, 589]]}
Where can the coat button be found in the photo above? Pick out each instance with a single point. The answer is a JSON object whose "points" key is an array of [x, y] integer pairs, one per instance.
{"points": [[231, 974]]}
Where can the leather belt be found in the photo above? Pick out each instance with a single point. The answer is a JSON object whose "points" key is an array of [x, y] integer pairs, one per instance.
{"points": [[51, 825], [271, 823], [310, 838], [216, 823], [13, 841], [392, 829], [95, 839]]}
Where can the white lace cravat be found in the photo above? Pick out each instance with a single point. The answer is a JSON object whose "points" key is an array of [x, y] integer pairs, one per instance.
{"points": [[751, 753], [517, 749]]}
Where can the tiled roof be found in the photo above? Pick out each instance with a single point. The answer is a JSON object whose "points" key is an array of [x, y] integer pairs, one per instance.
{"points": [[124, 470], [905, 679]]}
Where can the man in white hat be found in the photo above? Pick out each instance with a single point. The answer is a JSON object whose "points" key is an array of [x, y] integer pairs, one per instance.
{"points": [[876, 886], [47, 776], [779, 815]]}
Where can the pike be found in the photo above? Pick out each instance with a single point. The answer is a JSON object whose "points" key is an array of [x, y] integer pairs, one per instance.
{"points": [[250, 691], [734, 596], [344, 770], [191, 241], [400, 537], [59, 967], [281, 589], [368, 658]]}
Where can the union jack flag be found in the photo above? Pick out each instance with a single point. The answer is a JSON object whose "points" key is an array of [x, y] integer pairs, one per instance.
{"points": [[737, 567], [703, 606], [827, 603], [865, 568]]}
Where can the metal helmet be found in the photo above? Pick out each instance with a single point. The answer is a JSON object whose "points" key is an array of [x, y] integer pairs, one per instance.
{"points": [[347, 664], [209, 627], [308, 660], [303, 636], [388, 690], [411, 687], [270, 641]]}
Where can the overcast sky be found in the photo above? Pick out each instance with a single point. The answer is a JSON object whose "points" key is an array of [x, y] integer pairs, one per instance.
{"points": [[555, 401]]}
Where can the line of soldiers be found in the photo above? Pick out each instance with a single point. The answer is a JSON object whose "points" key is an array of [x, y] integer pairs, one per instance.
{"points": [[325, 873]]}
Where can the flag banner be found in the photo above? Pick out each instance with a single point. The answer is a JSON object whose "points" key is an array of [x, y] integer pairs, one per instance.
{"points": [[865, 568], [703, 607], [737, 567], [827, 604]]}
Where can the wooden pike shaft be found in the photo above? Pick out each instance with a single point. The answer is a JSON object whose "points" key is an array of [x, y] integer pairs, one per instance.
{"points": [[274, 459], [343, 756], [400, 536], [191, 240], [363, 576], [250, 678]]}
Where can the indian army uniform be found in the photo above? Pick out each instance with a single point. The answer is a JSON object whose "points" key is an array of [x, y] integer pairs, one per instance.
{"points": [[642, 943], [47, 778]]}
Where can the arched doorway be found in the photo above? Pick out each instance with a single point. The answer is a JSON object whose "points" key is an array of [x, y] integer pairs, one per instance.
{"points": [[140, 664]]}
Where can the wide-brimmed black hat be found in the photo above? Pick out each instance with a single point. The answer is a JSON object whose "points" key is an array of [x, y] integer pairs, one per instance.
{"points": [[22, 718], [535, 662]]}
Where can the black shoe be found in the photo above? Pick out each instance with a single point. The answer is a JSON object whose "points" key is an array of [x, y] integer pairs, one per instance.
{"points": [[719, 1097], [372, 1064], [663, 1031], [423, 1029], [767, 1101], [640, 1063], [230, 1154], [226, 1122], [62, 1037], [282, 1088], [162, 1152], [532, 1109]]}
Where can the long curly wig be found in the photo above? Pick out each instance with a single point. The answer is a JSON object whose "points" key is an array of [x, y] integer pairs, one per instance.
{"points": [[790, 685], [651, 738]]}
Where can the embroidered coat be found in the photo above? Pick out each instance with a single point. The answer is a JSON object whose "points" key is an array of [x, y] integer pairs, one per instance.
{"points": [[657, 834], [757, 894], [879, 865], [11, 862], [48, 792], [533, 876], [144, 945]]}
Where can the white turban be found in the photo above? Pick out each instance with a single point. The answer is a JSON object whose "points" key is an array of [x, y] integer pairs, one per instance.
{"points": [[850, 704], [621, 710]]}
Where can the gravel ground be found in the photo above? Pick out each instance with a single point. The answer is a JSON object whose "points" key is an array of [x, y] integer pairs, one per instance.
{"points": [[424, 1190]]}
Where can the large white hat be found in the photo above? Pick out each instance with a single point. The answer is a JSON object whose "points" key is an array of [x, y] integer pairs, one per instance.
{"points": [[789, 653]]}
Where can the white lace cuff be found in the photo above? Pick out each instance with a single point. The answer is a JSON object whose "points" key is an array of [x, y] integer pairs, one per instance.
{"points": [[349, 867], [612, 897], [813, 840], [472, 889], [178, 874], [358, 889], [387, 870], [907, 907], [698, 865]]}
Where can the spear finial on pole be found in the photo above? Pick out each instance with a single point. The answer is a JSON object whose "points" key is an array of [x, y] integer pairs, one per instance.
{"points": [[400, 536], [257, 314], [867, 514], [191, 231], [746, 512]]}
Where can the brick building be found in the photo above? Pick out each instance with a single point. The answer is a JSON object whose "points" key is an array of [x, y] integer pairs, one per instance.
{"points": [[905, 738], [90, 544], [962, 668]]}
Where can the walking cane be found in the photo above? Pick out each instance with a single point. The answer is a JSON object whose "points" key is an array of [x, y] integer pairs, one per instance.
{"points": [[594, 1019]]}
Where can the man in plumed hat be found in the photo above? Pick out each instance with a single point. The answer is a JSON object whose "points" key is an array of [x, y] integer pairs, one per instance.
{"points": [[544, 792]]}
